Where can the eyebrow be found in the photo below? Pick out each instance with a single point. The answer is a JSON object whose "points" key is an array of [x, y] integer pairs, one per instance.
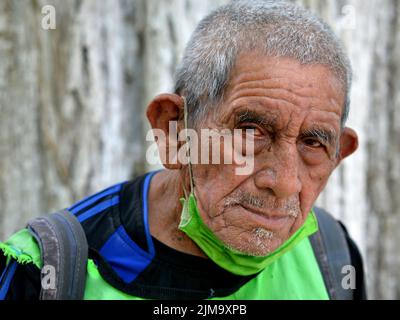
{"points": [[327, 136], [255, 117]]}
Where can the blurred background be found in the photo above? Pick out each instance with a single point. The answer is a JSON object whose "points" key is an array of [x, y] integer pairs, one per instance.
{"points": [[73, 91]]}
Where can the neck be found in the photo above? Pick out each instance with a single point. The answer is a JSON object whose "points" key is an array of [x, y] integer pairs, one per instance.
{"points": [[165, 211]]}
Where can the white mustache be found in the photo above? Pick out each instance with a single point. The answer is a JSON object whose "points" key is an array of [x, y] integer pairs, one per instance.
{"points": [[291, 206]]}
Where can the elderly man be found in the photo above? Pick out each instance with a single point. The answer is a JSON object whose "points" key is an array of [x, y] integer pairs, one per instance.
{"points": [[201, 230]]}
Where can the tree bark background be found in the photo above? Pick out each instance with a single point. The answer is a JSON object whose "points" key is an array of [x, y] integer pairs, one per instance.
{"points": [[72, 106]]}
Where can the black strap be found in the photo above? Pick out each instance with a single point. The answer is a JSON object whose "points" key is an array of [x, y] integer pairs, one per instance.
{"points": [[64, 251], [332, 252]]}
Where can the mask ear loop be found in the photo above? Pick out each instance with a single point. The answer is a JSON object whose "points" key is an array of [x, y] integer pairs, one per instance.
{"points": [[185, 121]]}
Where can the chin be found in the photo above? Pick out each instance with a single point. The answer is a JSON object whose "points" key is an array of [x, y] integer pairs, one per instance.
{"points": [[253, 245]]}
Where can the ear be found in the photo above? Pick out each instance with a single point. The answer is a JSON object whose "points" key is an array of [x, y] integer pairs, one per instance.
{"points": [[162, 110], [348, 144]]}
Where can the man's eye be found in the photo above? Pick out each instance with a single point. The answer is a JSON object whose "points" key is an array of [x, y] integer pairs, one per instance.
{"points": [[312, 143], [253, 129]]}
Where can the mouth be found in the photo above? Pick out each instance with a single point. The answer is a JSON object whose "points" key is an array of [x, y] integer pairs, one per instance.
{"points": [[272, 222]]}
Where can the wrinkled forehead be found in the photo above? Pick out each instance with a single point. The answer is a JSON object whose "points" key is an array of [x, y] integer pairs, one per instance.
{"points": [[284, 84]]}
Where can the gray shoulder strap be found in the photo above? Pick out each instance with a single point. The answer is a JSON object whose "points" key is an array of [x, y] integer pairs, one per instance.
{"points": [[64, 251], [332, 253]]}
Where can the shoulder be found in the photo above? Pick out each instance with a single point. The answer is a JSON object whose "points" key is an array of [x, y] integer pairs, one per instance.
{"points": [[357, 262], [99, 214], [340, 250], [102, 213]]}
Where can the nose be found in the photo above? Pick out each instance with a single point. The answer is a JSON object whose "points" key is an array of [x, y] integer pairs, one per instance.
{"points": [[282, 176]]}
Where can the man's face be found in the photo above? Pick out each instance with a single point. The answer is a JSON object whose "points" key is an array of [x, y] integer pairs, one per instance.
{"points": [[294, 111]]}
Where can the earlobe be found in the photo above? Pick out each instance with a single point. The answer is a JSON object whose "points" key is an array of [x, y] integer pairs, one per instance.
{"points": [[160, 112], [348, 143]]}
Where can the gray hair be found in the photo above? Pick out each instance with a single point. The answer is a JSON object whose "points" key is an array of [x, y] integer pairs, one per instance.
{"points": [[276, 28]]}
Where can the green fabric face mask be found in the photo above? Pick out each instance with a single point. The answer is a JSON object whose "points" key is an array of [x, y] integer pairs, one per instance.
{"points": [[231, 260]]}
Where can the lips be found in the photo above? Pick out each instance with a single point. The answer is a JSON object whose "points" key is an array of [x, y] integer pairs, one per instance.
{"points": [[272, 222]]}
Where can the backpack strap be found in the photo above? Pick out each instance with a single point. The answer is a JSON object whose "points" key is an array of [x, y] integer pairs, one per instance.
{"points": [[64, 253], [332, 252]]}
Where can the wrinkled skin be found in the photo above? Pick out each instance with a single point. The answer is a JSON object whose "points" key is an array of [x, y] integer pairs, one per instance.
{"points": [[294, 112]]}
